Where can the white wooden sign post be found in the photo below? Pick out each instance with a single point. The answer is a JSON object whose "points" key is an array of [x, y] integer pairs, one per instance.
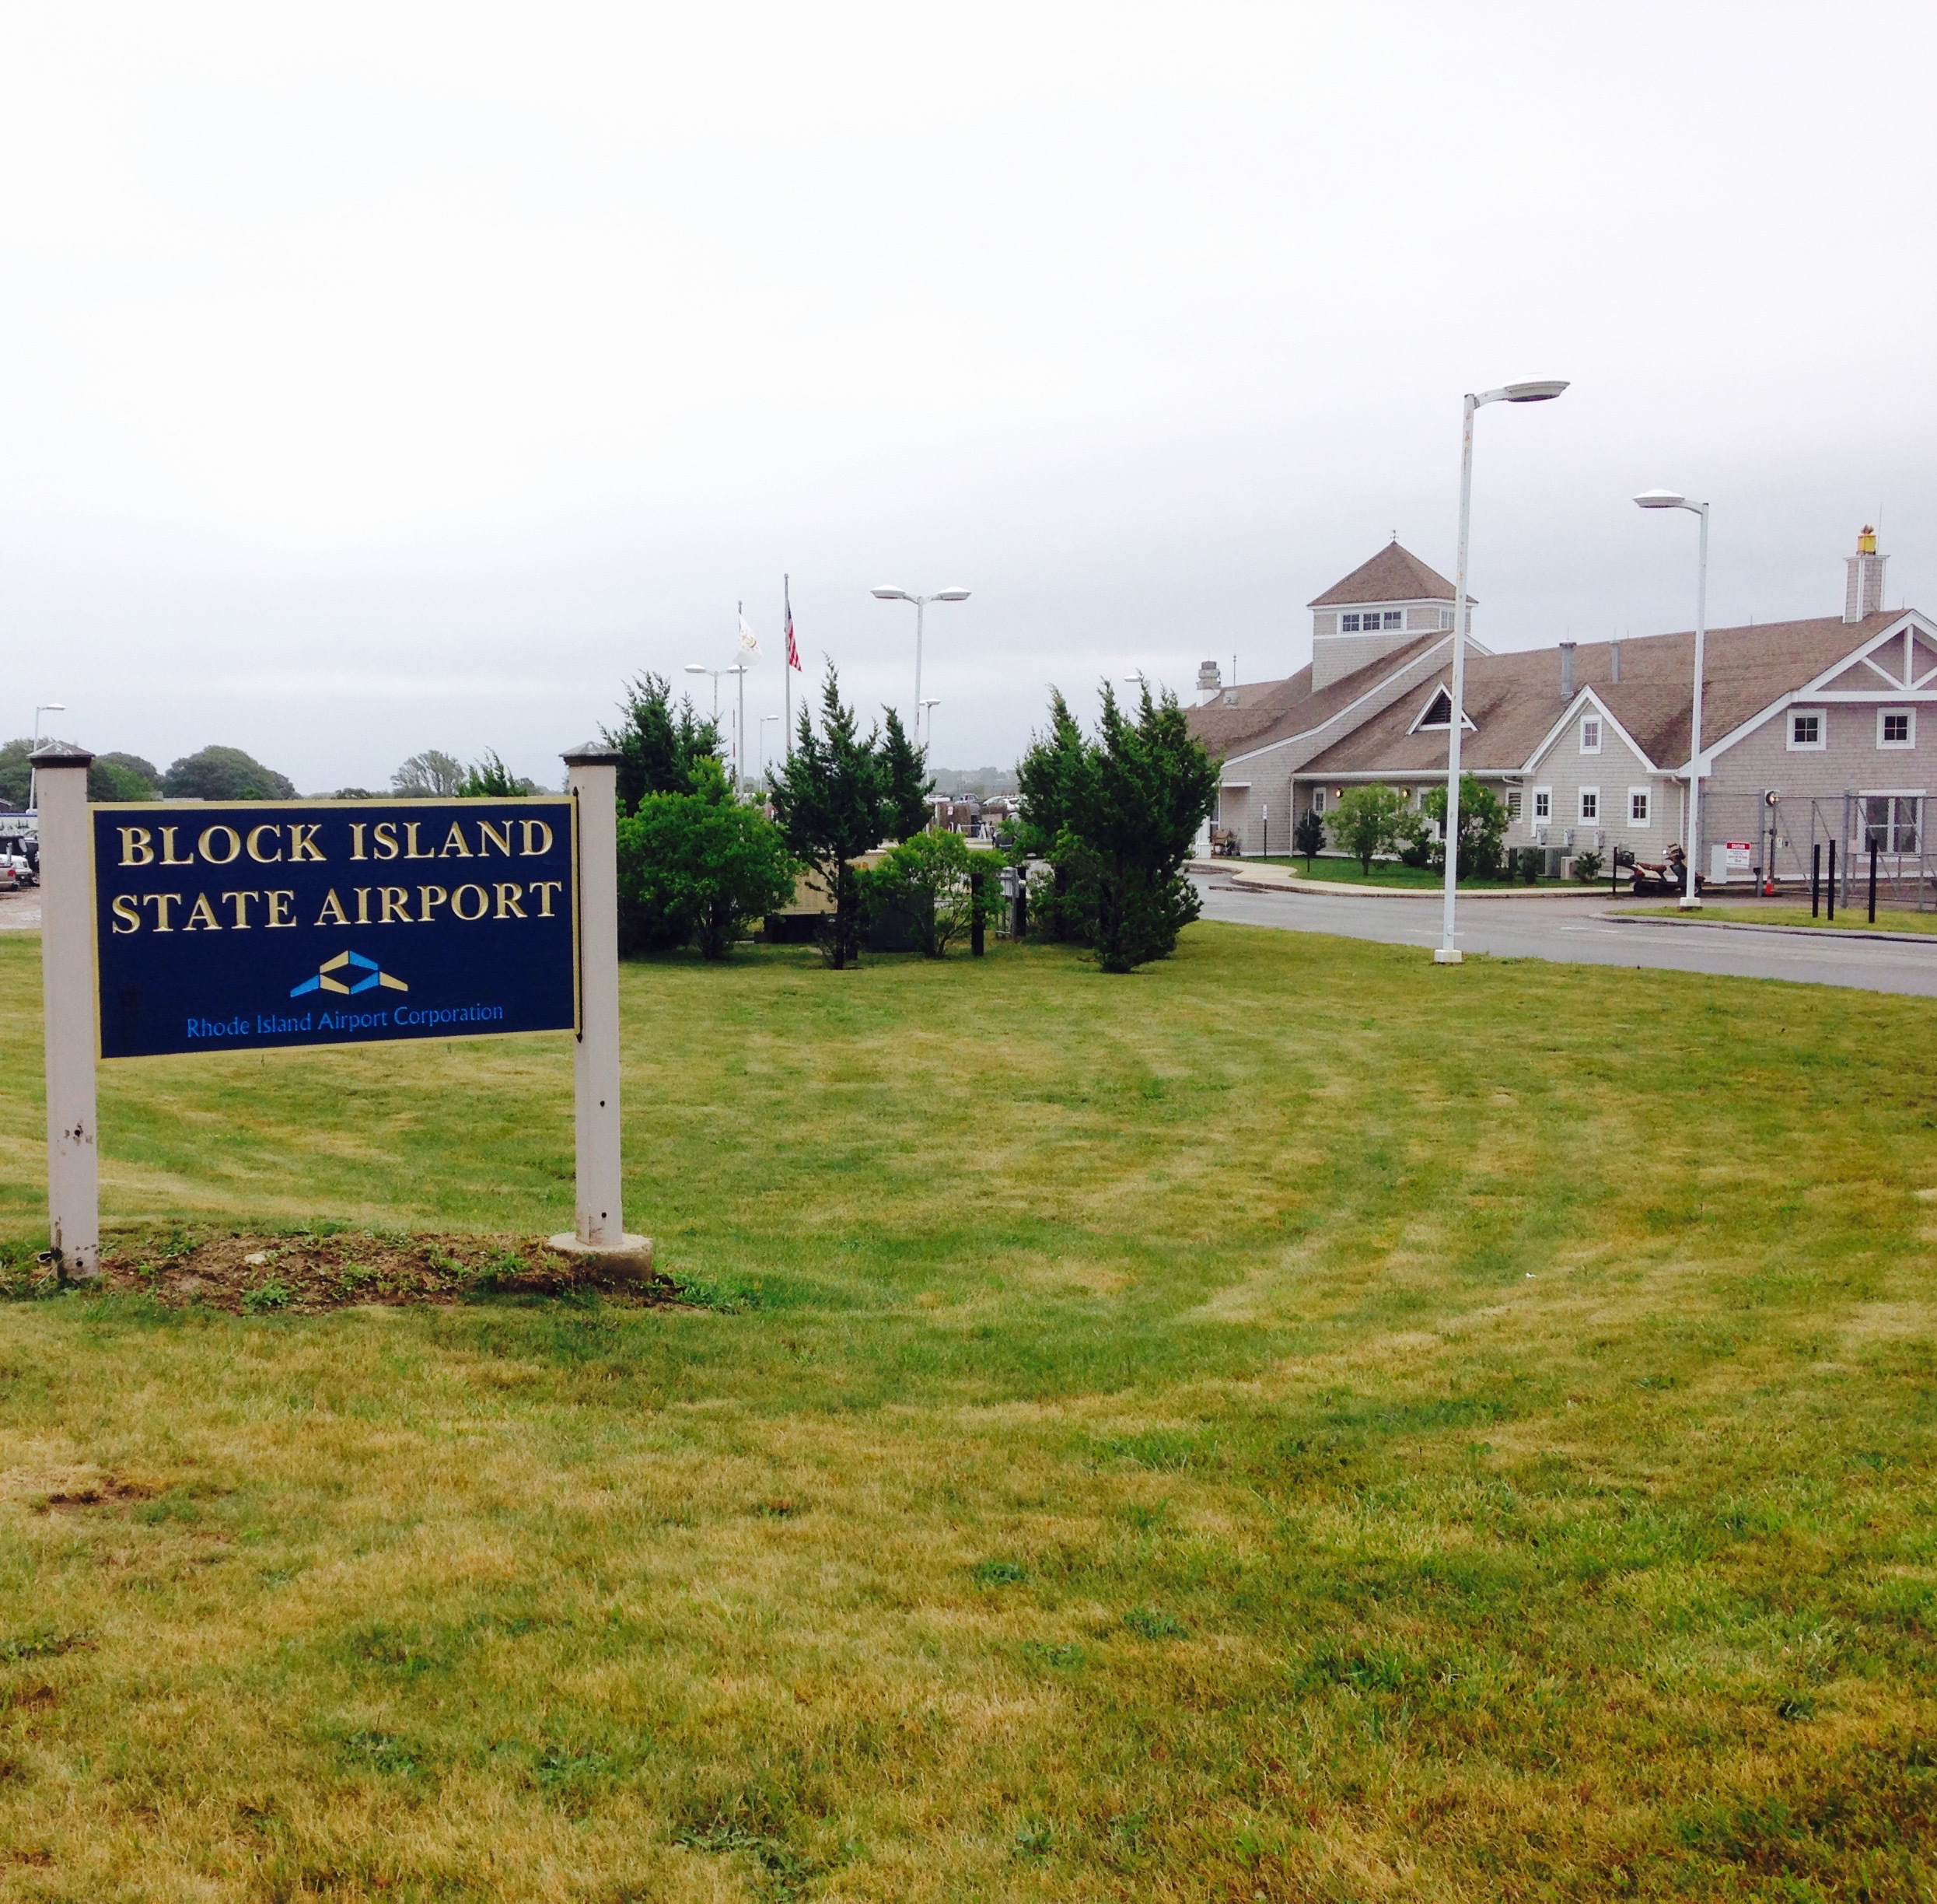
{"points": [[592, 778], [129, 968], [68, 1010]]}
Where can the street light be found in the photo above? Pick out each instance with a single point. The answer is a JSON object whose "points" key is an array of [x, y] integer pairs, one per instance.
{"points": [[888, 593], [1541, 390], [927, 712], [740, 752], [763, 720], [1667, 499], [33, 773]]}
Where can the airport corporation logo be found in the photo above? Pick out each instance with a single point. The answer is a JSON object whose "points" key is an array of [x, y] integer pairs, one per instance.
{"points": [[349, 964]]}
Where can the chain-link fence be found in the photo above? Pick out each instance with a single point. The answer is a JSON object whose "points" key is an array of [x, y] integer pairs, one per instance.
{"points": [[1818, 844]]}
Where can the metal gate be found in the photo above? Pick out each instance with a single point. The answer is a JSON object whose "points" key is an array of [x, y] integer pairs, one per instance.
{"points": [[1796, 842]]}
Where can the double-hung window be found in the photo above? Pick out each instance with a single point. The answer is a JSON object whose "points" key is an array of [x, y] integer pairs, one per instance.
{"points": [[1639, 807], [1889, 821], [1394, 617], [1348, 625], [1591, 734], [1543, 802], [1590, 806]]}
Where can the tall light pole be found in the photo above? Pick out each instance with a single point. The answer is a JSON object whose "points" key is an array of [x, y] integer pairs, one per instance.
{"points": [[34, 773], [763, 720], [738, 668], [1539, 391], [921, 603], [927, 716], [1668, 498]]}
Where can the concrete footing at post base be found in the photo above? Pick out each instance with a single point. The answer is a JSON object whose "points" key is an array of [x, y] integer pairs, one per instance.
{"points": [[630, 1257]]}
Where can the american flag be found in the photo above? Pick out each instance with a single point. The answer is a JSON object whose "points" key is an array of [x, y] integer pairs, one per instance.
{"points": [[793, 653]]}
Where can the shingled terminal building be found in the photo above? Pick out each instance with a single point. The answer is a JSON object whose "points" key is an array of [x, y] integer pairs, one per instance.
{"points": [[1587, 743]]}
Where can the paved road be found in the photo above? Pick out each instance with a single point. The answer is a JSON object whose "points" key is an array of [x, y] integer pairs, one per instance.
{"points": [[1566, 930]]}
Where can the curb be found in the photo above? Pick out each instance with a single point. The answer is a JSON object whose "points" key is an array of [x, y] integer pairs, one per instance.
{"points": [[1829, 933]]}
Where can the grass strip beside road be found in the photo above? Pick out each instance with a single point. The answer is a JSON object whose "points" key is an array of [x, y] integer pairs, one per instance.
{"points": [[1855, 919], [1296, 1423], [1396, 872]]}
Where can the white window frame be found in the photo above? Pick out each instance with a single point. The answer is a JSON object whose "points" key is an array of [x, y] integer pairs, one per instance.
{"points": [[1543, 806], [1908, 716], [1582, 796], [1445, 621], [1349, 622], [1820, 716], [1917, 800], [1515, 805], [1318, 800], [1646, 816], [1392, 618], [1600, 731]]}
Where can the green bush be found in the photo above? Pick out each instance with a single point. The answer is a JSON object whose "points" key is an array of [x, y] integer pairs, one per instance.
{"points": [[930, 878], [1482, 824], [698, 867], [1588, 864]]}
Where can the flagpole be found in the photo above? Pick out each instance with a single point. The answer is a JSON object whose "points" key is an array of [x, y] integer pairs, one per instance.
{"points": [[787, 660], [739, 739]]}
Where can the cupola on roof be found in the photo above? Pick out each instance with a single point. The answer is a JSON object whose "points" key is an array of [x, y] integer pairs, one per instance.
{"points": [[1393, 575]]}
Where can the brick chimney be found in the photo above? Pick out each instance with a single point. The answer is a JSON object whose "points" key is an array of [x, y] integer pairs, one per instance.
{"points": [[1567, 670], [1863, 592]]}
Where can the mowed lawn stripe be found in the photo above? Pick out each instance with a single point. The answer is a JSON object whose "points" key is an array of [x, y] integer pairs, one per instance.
{"points": [[1291, 1423]]}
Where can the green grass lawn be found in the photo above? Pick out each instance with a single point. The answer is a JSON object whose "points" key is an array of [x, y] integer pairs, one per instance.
{"points": [[1296, 1424], [1854, 919], [1396, 872]]}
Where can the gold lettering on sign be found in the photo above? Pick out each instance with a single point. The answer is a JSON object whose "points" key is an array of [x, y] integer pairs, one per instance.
{"points": [[332, 913], [414, 850], [544, 889], [161, 902], [127, 913], [396, 902], [429, 898], [281, 907], [533, 829], [302, 840], [453, 846], [457, 903], [240, 901], [510, 901], [384, 834], [357, 827], [168, 851], [202, 916], [137, 846], [208, 852], [255, 844], [490, 834], [363, 905]]}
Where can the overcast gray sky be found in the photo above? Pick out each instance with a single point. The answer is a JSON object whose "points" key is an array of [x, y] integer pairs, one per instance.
{"points": [[380, 378]]}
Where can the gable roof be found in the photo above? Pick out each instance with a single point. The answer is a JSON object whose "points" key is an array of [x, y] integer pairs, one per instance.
{"points": [[1394, 574], [1275, 711], [1514, 699]]}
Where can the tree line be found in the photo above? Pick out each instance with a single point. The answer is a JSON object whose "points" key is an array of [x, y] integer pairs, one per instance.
{"points": [[1113, 815]]}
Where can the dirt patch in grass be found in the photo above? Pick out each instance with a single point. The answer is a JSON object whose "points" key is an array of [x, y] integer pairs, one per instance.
{"points": [[252, 1273]]}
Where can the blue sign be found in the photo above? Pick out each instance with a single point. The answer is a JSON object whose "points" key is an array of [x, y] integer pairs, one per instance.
{"points": [[332, 922]]}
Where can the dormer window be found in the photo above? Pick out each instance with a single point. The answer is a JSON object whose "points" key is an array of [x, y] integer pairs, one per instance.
{"points": [[1369, 621]]}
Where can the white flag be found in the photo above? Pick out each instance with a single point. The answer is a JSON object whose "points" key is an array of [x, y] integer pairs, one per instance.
{"points": [[747, 644]]}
